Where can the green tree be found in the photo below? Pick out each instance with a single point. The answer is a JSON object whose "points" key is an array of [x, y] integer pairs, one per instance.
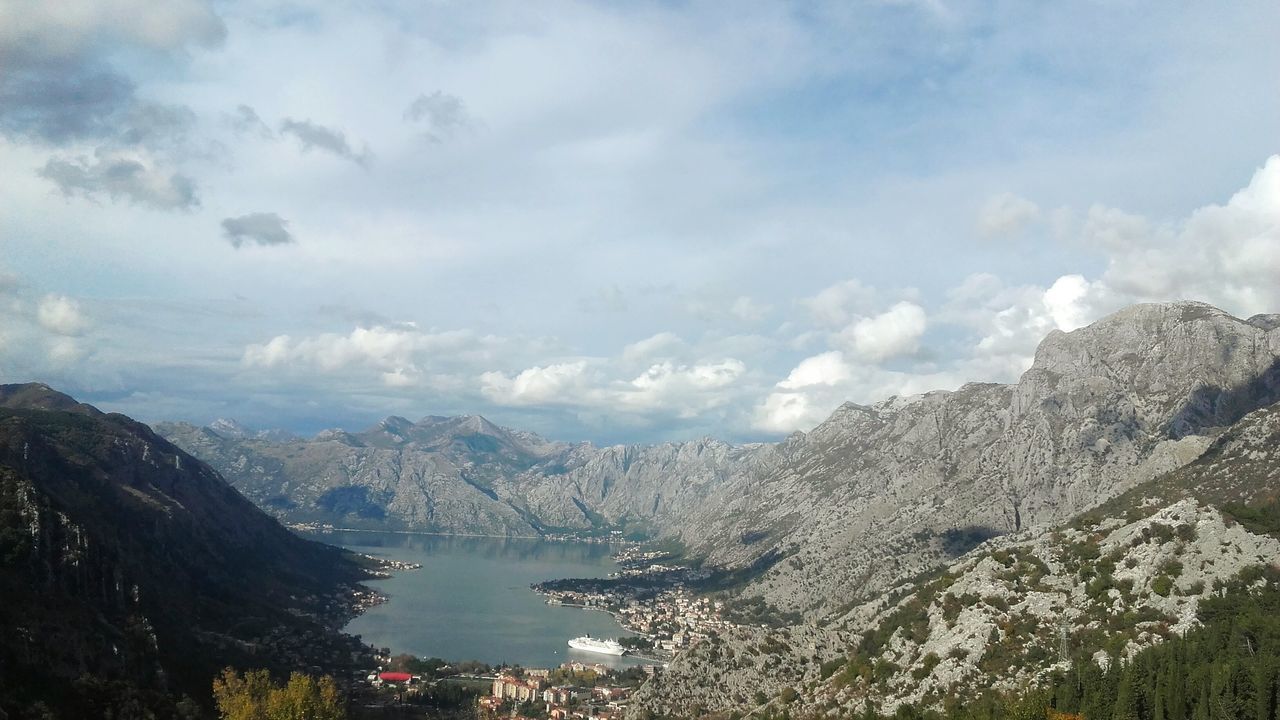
{"points": [[253, 696]]}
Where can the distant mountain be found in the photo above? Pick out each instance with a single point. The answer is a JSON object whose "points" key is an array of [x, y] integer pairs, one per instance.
{"points": [[467, 475], [130, 572]]}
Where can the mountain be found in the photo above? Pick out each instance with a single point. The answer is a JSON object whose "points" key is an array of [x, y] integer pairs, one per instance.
{"points": [[1125, 575], [467, 475], [1100, 549], [878, 493], [132, 573]]}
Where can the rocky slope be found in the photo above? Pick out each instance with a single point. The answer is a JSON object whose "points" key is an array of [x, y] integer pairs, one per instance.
{"points": [[1122, 576], [879, 493], [131, 573]]}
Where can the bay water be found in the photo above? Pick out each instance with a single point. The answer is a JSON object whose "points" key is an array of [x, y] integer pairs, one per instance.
{"points": [[471, 599]]}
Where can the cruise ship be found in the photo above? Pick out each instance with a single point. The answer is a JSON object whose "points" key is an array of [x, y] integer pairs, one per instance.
{"points": [[590, 644]]}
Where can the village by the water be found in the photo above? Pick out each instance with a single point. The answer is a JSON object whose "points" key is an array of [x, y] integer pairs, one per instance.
{"points": [[654, 602]]}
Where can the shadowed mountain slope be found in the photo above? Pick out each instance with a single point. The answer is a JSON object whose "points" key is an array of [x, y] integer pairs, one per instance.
{"points": [[129, 569]]}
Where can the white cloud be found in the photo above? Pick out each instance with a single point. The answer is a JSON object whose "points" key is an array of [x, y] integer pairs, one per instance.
{"points": [[821, 383], [557, 384], [748, 310], [890, 334], [1114, 230], [1228, 255], [61, 315], [664, 388], [787, 412], [657, 345], [1009, 322], [828, 368], [1066, 302], [838, 304], [1006, 214], [65, 351], [804, 398], [68, 26], [685, 390], [397, 354]]}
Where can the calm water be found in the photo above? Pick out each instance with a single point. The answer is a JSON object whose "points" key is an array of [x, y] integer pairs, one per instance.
{"points": [[471, 599]]}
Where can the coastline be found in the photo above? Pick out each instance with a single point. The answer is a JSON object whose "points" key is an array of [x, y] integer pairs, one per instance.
{"points": [[302, 527]]}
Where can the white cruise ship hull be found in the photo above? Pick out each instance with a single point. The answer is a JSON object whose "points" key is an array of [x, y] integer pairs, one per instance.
{"points": [[597, 646]]}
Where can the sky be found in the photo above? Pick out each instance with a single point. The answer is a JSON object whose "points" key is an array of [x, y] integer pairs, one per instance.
{"points": [[616, 222]]}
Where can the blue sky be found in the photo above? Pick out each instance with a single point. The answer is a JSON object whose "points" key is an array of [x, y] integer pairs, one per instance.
{"points": [[616, 222]]}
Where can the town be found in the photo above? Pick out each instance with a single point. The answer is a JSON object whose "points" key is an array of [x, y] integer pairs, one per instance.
{"points": [[648, 597], [574, 690]]}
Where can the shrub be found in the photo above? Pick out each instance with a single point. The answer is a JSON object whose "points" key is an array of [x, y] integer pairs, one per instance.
{"points": [[1162, 585], [997, 602], [930, 662]]}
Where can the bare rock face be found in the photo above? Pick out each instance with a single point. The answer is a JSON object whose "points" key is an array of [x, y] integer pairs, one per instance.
{"points": [[879, 493]]}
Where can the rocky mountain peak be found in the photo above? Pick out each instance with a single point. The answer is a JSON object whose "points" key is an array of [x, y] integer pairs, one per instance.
{"points": [[1141, 334], [1269, 321], [478, 424], [395, 425], [229, 428], [1184, 366]]}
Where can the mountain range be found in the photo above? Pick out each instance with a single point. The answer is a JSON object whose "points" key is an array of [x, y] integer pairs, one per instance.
{"points": [[1055, 511], [871, 495], [917, 549]]}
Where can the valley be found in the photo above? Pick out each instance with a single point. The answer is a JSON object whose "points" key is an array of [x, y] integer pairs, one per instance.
{"points": [[910, 556]]}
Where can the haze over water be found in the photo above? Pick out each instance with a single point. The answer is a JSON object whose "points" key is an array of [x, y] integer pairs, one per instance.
{"points": [[471, 600]]}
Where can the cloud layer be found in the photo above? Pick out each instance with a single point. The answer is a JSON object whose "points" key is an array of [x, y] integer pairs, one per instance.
{"points": [[614, 223]]}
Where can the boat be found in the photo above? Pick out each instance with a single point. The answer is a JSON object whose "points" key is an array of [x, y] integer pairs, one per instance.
{"points": [[590, 644]]}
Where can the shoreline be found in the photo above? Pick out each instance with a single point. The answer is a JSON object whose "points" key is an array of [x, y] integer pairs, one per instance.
{"points": [[588, 540]]}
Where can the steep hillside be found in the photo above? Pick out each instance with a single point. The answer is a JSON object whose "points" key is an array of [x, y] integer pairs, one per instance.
{"points": [[129, 569], [880, 493], [1123, 576]]}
